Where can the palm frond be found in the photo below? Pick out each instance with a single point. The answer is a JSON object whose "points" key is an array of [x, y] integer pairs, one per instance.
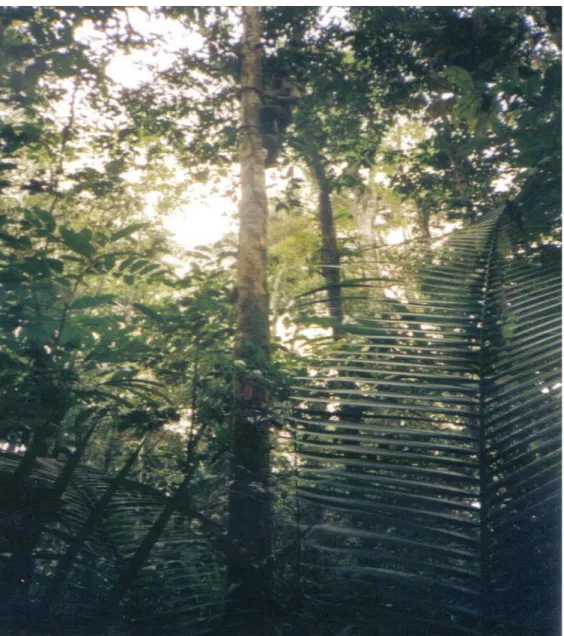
{"points": [[522, 426], [429, 442], [178, 585]]}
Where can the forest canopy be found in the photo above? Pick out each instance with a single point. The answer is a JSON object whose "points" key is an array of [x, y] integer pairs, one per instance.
{"points": [[280, 300]]}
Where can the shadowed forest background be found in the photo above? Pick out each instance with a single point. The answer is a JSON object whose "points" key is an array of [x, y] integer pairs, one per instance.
{"points": [[280, 318]]}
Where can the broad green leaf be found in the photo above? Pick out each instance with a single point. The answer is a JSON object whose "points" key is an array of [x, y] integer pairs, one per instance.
{"points": [[79, 242], [70, 334], [88, 302], [127, 231], [148, 311], [12, 275], [18, 243]]}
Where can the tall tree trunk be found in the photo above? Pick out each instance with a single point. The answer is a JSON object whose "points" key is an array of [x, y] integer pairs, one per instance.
{"points": [[330, 258], [423, 218], [249, 526], [367, 205]]}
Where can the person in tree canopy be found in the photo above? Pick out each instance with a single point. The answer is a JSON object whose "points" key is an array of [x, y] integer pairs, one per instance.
{"points": [[276, 114]]}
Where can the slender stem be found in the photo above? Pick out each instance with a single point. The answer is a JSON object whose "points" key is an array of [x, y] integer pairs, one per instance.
{"points": [[485, 363], [193, 406]]}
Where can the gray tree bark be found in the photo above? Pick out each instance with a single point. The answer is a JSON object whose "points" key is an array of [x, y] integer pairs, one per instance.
{"points": [[330, 257], [249, 526]]}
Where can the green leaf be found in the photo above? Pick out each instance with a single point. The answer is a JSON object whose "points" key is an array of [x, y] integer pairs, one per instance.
{"points": [[18, 243], [400, 420], [70, 334], [48, 220], [149, 312], [35, 266], [460, 78], [127, 231], [55, 264], [126, 263], [12, 275], [89, 302], [79, 242], [109, 261], [85, 415]]}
